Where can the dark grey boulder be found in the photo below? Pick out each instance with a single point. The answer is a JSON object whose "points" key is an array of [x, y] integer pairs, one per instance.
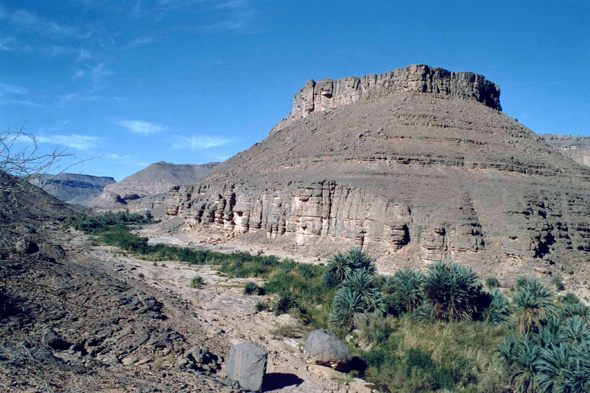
{"points": [[247, 365], [324, 348]]}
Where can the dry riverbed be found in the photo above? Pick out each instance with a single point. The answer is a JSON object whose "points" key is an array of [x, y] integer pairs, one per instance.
{"points": [[224, 311]]}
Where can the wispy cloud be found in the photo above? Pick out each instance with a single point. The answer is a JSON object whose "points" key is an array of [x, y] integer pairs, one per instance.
{"points": [[142, 41], [25, 19], [100, 71], [140, 127], [12, 89], [6, 43], [200, 142], [169, 5], [233, 15], [80, 142], [112, 156], [84, 55], [73, 98]]}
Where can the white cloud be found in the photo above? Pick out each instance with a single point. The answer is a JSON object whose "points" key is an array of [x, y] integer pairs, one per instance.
{"points": [[140, 127], [142, 41], [99, 71], [5, 43], [84, 55], [80, 142], [201, 142], [112, 156], [12, 89], [78, 74], [27, 20]]}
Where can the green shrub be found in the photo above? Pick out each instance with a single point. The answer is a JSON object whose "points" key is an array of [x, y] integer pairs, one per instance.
{"points": [[571, 298], [261, 306], [284, 304], [558, 282], [493, 282], [252, 288], [197, 282]]}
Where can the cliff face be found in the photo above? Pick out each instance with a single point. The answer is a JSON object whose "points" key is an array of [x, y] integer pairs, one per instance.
{"points": [[414, 174], [328, 93]]}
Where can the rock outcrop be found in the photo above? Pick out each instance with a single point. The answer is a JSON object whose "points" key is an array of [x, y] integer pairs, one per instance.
{"points": [[327, 93], [412, 175]]}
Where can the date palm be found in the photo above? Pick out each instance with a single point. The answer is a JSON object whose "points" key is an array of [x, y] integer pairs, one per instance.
{"points": [[406, 287], [533, 305], [453, 290]]}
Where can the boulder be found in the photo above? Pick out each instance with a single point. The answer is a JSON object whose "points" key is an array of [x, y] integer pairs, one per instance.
{"points": [[324, 348], [247, 365]]}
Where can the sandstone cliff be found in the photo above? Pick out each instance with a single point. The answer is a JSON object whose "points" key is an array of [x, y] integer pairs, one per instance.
{"points": [[417, 173]]}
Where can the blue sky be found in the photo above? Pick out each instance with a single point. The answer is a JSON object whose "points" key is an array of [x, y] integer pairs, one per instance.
{"points": [[130, 83]]}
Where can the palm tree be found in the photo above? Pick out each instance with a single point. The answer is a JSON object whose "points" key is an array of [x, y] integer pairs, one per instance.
{"points": [[340, 266], [361, 282], [347, 303], [551, 333], [560, 369], [453, 290], [572, 310], [499, 309], [526, 355], [406, 286], [360, 260], [533, 305], [575, 331]]}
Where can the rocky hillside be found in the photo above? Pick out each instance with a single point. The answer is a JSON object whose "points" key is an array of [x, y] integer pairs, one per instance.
{"points": [[70, 321], [153, 180], [416, 164], [73, 188], [575, 147]]}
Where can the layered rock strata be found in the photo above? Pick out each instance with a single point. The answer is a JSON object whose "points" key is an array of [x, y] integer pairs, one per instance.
{"points": [[415, 173], [327, 93]]}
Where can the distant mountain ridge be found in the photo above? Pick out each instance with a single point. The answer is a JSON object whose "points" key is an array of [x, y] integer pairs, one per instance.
{"points": [[155, 179], [73, 188]]}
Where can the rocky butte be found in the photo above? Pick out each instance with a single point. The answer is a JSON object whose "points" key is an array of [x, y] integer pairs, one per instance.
{"points": [[413, 165]]}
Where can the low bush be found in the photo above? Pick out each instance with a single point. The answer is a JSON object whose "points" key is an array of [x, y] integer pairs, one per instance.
{"points": [[252, 288], [261, 306], [197, 282], [493, 282]]}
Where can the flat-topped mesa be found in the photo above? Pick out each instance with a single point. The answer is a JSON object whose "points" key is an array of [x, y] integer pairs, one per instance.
{"points": [[420, 78]]}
